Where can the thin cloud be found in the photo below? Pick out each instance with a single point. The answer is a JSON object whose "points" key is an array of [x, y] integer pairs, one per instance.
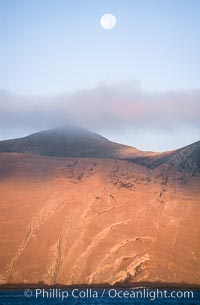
{"points": [[106, 107]]}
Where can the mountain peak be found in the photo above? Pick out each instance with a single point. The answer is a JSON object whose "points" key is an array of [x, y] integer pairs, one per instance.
{"points": [[68, 141], [77, 142]]}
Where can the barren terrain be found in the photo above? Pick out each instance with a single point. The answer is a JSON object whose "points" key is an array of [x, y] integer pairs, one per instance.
{"points": [[97, 221]]}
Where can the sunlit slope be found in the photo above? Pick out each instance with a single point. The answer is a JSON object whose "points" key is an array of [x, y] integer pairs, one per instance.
{"points": [[92, 221]]}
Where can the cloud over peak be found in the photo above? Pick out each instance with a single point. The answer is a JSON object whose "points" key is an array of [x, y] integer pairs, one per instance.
{"points": [[105, 108]]}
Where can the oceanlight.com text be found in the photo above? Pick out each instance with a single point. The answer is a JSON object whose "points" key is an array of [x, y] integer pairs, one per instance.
{"points": [[112, 293]]}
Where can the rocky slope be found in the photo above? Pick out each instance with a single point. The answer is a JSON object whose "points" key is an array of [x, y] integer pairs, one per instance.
{"points": [[186, 158], [91, 221]]}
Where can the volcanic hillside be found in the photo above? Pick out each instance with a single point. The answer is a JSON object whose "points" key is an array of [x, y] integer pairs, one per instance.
{"points": [[69, 141], [83, 220]]}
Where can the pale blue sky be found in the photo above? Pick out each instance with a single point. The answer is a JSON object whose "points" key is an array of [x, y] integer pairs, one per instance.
{"points": [[49, 46], [137, 84]]}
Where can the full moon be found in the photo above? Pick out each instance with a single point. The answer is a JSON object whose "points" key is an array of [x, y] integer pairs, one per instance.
{"points": [[108, 21]]}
